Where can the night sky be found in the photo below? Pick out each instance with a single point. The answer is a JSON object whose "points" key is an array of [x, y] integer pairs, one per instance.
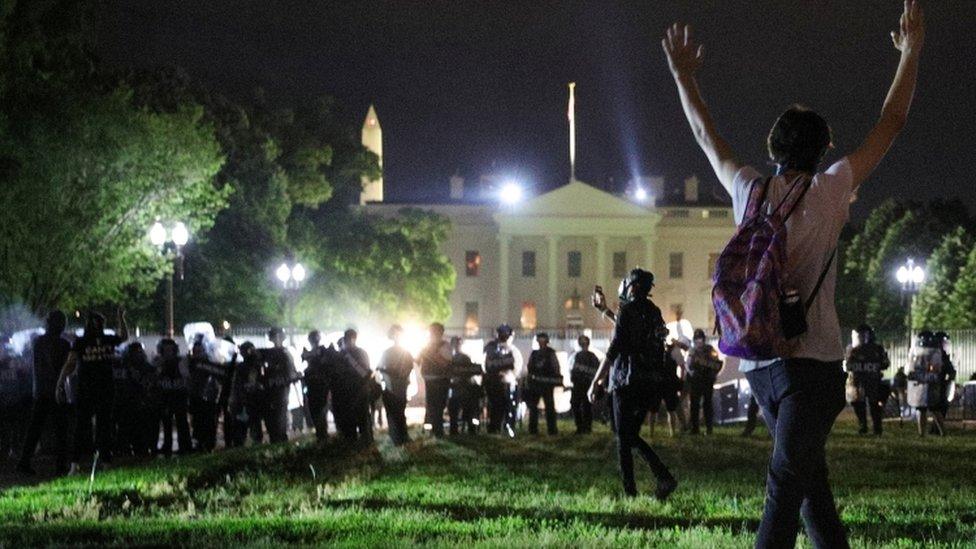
{"points": [[469, 87]]}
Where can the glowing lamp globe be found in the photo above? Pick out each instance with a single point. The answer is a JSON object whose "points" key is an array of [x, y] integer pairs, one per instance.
{"points": [[918, 275], [298, 272], [640, 194], [157, 234], [283, 273], [902, 275], [180, 234], [511, 193]]}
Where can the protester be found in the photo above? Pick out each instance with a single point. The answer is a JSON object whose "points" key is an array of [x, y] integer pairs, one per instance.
{"points": [[93, 355], [173, 377], [865, 362], [634, 365], [801, 391], [542, 379], [500, 373], [50, 352], [464, 404], [702, 367], [395, 367], [435, 368], [584, 365]]}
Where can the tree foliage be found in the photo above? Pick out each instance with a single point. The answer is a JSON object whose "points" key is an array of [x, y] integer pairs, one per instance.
{"points": [[935, 305], [961, 310]]}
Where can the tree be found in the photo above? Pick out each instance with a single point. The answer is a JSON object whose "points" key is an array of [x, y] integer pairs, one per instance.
{"points": [[961, 312], [854, 259], [934, 302]]}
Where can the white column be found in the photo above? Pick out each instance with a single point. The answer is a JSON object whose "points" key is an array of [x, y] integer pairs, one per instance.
{"points": [[552, 307], [601, 260], [503, 270], [649, 245]]}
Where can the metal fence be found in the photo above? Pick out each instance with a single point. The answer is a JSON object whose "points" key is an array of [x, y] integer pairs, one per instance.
{"points": [[962, 352]]}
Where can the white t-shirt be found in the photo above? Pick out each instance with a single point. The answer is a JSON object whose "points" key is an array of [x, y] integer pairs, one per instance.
{"points": [[812, 233]]}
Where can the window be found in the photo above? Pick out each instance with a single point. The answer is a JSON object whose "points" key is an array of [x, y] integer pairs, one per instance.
{"points": [[529, 320], [471, 324], [676, 265], [712, 262], [574, 264], [619, 264], [528, 264], [472, 263]]}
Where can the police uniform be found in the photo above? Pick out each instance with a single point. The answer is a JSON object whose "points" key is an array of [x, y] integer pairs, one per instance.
{"points": [[206, 381], [499, 367], [129, 397], [279, 373], [350, 404], [864, 365], [464, 405], [543, 377], [395, 367], [702, 367], [317, 382], [585, 365], [435, 368], [172, 382]]}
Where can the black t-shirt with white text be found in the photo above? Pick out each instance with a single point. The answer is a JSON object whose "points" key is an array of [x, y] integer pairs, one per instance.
{"points": [[96, 355]]}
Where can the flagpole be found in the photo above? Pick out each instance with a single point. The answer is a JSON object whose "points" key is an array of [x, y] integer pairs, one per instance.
{"points": [[571, 114]]}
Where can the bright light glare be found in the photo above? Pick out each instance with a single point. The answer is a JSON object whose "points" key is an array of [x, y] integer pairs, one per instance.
{"points": [[511, 192], [283, 273], [918, 275], [180, 234], [298, 272], [902, 274], [157, 234], [640, 194]]}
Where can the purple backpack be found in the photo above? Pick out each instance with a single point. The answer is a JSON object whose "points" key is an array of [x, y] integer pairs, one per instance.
{"points": [[748, 292]]}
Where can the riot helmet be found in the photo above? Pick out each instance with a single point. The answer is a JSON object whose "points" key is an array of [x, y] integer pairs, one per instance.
{"points": [[865, 334], [504, 332], [943, 339], [927, 339], [635, 285]]}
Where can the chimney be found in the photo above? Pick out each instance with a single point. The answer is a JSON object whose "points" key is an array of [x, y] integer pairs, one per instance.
{"points": [[457, 187], [691, 189]]}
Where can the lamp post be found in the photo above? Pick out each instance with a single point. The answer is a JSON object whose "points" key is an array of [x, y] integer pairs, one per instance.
{"points": [[291, 278], [170, 243], [911, 277]]}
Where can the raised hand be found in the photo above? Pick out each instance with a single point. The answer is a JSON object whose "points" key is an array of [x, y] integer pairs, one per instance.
{"points": [[684, 56], [911, 30]]}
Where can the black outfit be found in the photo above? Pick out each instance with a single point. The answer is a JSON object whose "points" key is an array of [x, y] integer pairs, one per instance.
{"points": [[702, 369], [96, 357], [15, 399], [350, 403], [585, 365], [317, 382], [542, 379], [464, 405], [279, 374], [670, 388], [800, 399], [50, 353], [128, 406], [395, 366], [865, 364], [637, 354], [435, 367], [173, 405], [207, 379], [499, 363]]}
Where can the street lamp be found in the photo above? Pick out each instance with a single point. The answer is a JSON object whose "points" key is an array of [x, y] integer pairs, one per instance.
{"points": [[911, 277], [511, 192], [170, 244], [291, 278]]}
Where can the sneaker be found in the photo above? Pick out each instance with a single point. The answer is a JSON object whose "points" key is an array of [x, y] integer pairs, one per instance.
{"points": [[664, 489]]}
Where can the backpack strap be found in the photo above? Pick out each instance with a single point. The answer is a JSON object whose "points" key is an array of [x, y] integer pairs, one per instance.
{"points": [[757, 195], [792, 199], [823, 275]]}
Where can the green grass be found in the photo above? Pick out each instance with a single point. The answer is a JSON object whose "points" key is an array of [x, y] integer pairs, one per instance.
{"points": [[897, 491]]}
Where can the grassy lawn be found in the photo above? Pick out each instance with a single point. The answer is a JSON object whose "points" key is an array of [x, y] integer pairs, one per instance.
{"points": [[897, 491]]}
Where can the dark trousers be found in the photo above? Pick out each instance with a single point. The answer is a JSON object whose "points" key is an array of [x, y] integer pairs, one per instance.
{"points": [[97, 407], [437, 394], [532, 396], [582, 409], [396, 417], [43, 409], [127, 425], [630, 407], [174, 410], [350, 408], [317, 401], [701, 399], [276, 414], [205, 424], [871, 389], [464, 406], [501, 410], [800, 400]]}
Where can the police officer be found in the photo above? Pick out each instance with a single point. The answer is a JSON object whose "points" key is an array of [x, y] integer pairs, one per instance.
{"points": [[50, 352], [464, 405], [670, 389], [93, 355], [357, 380], [250, 396], [584, 365], [279, 374], [435, 368], [634, 362], [948, 376], [926, 377], [317, 382], [128, 374], [395, 367], [864, 363], [500, 370], [702, 366], [206, 382], [542, 379], [172, 381]]}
